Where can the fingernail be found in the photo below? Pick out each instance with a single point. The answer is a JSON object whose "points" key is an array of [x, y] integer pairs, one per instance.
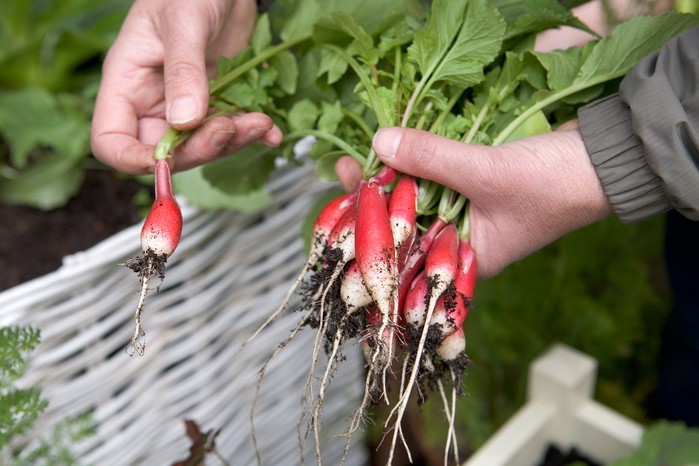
{"points": [[182, 110], [220, 138], [386, 142], [257, 132]]}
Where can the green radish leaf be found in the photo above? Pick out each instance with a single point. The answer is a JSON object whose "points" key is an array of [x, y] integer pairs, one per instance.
{"points": [[262, 35], [333, 65], [605, 60], [244, 95], [296, 17], [325, 166], [631, 41], [533, 16], [477, 44], [387, 100], [458, 42], [303, 115], [226, 65], [243, 172], [431, 43], [288, 75], [561, 66], [535, 124], [330, 117], [193, 185], [341, 29]]}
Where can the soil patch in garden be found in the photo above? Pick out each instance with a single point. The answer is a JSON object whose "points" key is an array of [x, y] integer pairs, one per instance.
{"points": [[33, 242]]}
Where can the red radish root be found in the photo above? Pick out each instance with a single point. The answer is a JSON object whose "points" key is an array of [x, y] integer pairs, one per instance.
{"points": [[160, 236]]}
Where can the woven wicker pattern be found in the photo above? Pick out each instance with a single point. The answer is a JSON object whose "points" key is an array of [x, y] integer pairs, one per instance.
{"points": [[229, 273]]}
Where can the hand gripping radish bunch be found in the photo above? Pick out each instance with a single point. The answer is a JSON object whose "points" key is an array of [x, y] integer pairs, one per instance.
{"points": [[160, 234]]}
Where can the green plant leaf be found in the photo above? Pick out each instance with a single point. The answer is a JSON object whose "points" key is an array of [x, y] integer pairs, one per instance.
{"points": [[262, 35], [31, 118], [303, 115], [631, 41], [333, 65], [341, 29], [200, 192], [46, 184], [531, 16], [241, 173], [460, 39], [535, 124], [288, 75], [330, 117], [665, 444], [325, 166]]}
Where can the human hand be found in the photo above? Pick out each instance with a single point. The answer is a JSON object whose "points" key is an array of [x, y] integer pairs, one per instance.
{"points": [[524, 194], [155, 75]]}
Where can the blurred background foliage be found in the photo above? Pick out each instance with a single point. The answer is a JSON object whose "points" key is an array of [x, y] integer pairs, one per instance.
{"points": [[601, 289], [50, 59]]}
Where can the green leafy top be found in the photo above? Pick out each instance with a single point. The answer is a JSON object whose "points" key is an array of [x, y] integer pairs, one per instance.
{"points": [[465, 70]]}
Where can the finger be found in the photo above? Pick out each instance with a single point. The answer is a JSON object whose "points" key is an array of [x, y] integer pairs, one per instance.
{"points": [[224, 136], [115, 131], [350, 173], [183, 29], [426, 155]]}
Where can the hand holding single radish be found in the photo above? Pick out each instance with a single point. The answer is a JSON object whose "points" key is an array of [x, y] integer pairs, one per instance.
{"points": [[524, 194], [155, 76]]}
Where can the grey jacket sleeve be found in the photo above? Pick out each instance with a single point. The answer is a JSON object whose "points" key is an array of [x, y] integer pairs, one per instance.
{"points": [[644, 141]]}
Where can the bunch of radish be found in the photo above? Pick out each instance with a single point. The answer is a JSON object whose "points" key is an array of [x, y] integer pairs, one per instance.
{"points": [[399, 281]]}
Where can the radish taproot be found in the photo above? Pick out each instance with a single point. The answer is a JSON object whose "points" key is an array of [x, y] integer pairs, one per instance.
{"points": [[160, 236]]}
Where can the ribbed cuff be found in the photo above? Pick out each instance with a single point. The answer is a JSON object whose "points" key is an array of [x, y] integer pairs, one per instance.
{"points": [[632, 188]]}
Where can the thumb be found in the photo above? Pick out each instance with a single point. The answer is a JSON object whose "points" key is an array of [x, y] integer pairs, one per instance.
{"points": [[426, 155], [184, 67]]}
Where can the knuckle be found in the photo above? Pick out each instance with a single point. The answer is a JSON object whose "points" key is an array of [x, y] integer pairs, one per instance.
{"points": [[181, 73]]}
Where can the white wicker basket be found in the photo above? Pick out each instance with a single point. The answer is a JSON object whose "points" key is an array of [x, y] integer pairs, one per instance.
{"points": [[228, 274]]}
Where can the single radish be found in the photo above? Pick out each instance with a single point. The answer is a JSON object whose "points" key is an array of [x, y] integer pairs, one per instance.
{"points": [[375, 252], [414, 262], [163, 226], [402, 210], [451, 315], [160, 235], [415, 306], [441, 261], [376, 258], [352, 289], [325, 221]]}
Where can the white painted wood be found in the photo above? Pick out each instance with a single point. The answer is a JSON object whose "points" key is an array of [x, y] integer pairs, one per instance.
{"points": [[560, 410]]}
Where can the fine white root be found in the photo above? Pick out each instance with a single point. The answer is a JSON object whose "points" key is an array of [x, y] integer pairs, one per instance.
{"points": [[136, 346], [299, 279], [402, 404], [261, 375]]}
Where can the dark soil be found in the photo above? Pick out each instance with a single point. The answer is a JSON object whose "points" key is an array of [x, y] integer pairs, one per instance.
{"points": [[33, 242], [556, 457]]}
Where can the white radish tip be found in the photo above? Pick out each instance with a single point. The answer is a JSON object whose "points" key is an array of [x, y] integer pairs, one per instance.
{"points": [[452, 346]]}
